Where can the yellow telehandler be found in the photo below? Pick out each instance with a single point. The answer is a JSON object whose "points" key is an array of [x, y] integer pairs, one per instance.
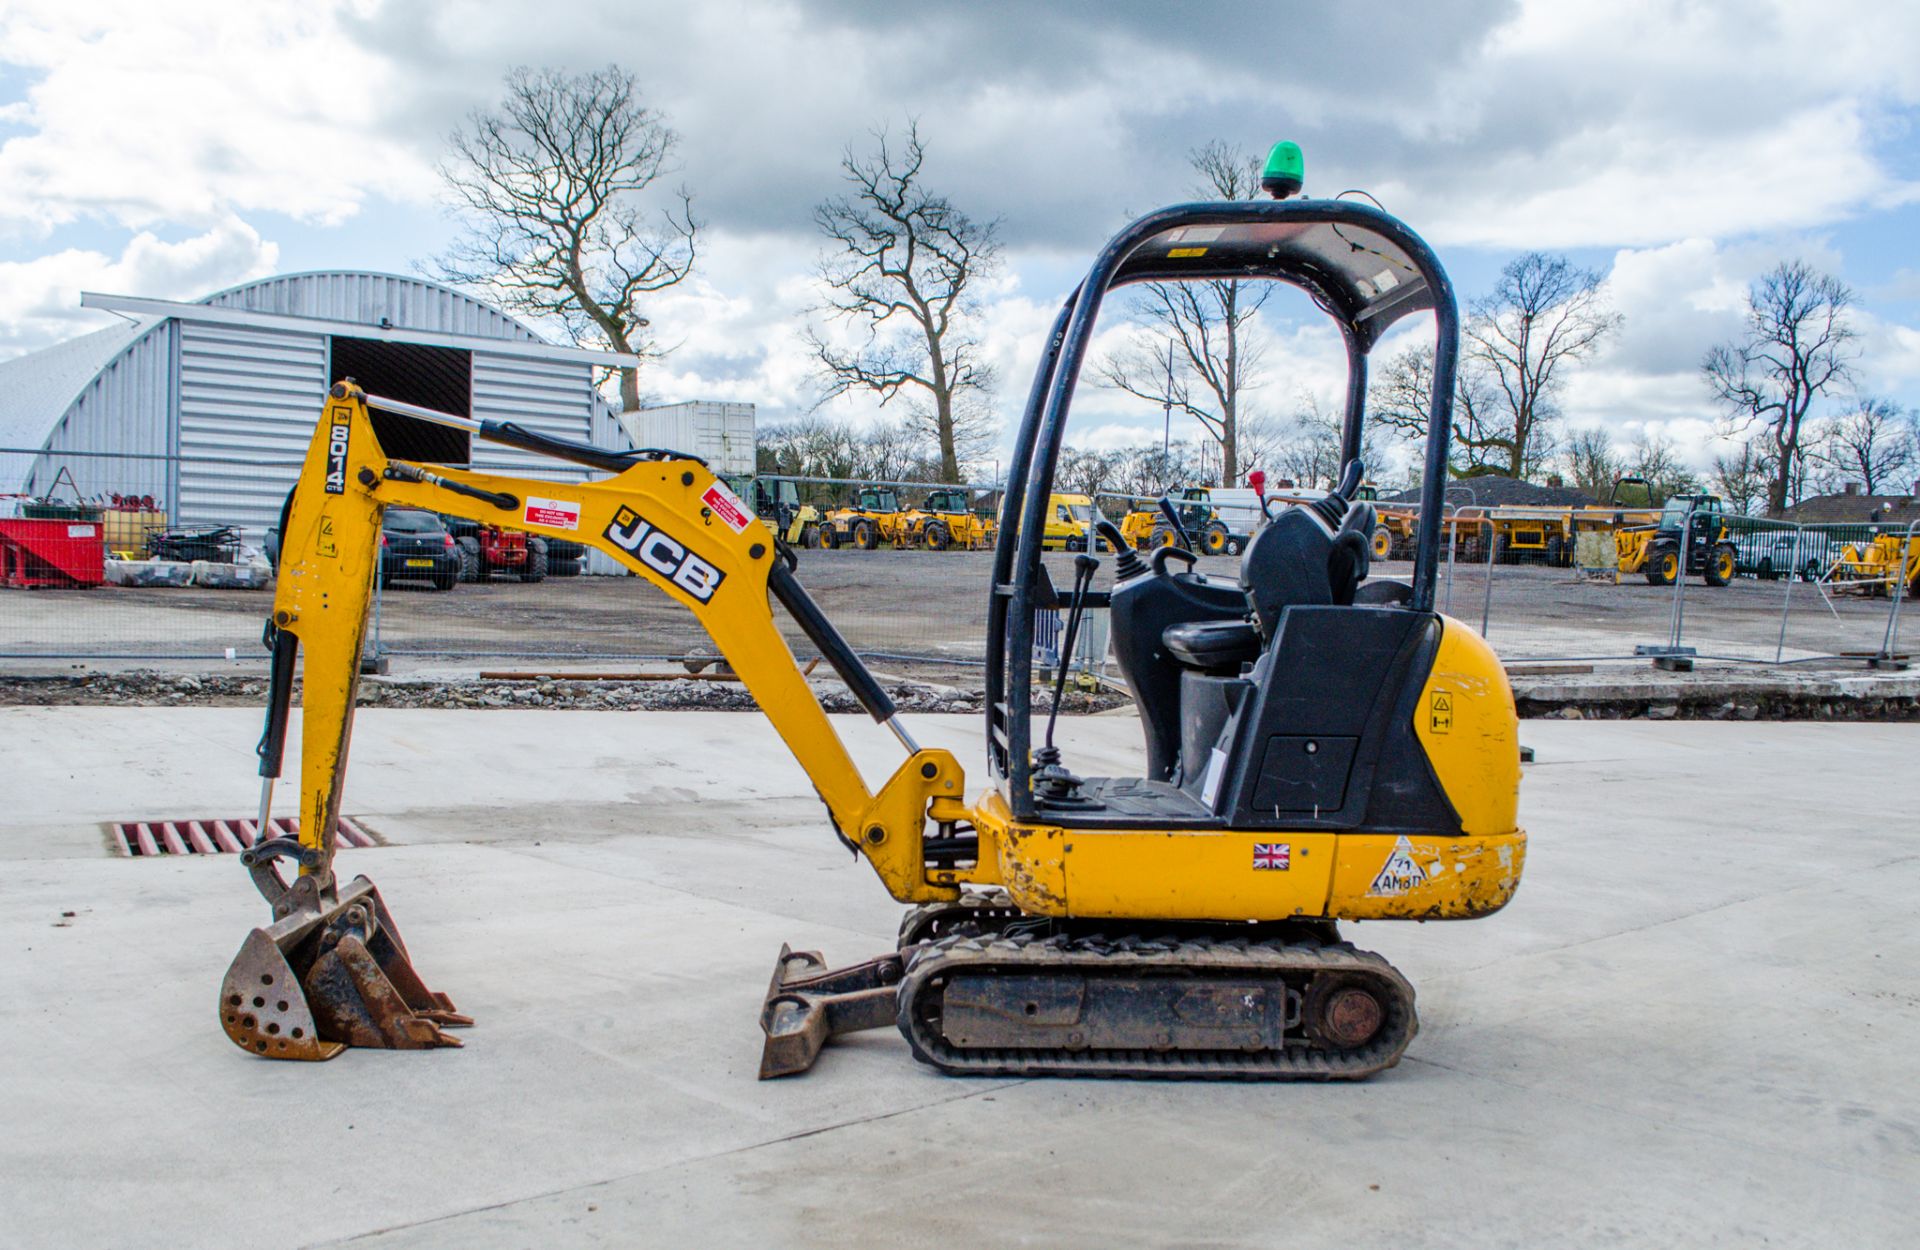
{"points": [[1320, 746]]}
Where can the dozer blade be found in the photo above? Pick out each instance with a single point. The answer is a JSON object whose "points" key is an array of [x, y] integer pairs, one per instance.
{"points": [[807, 1005], [328, 975]]}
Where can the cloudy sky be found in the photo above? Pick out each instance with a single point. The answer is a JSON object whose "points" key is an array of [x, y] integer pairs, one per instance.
{"points": [[1680, 148]]}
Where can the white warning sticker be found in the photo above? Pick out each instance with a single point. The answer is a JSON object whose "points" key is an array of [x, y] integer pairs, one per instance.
{"points": [[1399, 874], [1216, 771], [727, 506], [555, 514]]}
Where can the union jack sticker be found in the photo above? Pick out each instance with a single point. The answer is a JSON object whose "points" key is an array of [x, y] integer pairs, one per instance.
{"points": [[1274, 856]]}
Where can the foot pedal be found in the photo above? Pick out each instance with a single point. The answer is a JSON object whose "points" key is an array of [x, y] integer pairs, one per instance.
{"points": [[808, 1004], [328, 975]]}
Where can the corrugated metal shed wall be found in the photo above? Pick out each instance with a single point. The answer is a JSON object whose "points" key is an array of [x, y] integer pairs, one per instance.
{"points": [[367, 297], [126, 408], [238, 405], [548, 397], [258, 393], [248, 401]]}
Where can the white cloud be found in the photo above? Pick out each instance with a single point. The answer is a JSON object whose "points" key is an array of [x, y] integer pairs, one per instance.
{"points": [[1703, 142], [1646, 120], [40, 298], [187, 112], [1678, 301]]}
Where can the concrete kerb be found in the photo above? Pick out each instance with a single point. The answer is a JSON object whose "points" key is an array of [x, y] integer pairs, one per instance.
{"points": [[1720, 694]]}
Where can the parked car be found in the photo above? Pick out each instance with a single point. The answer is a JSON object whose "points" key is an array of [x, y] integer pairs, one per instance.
{"points": [[565, 558], [415, 545], [1771, 554]]}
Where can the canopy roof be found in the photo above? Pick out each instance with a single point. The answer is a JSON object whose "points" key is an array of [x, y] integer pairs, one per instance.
{"points": [[1358, 273]]}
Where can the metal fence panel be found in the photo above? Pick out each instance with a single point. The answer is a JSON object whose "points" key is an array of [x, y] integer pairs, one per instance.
{"points": [[1800, 593]]}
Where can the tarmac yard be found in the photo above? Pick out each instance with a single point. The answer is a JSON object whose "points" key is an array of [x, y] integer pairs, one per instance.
{"points": [[922, 603], [1695, 1026]]}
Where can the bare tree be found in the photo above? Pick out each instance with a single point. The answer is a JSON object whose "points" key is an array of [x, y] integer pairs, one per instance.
{"points": [[1874, 445], [1656, 460], [901, 267], [1196, 354], [1084, 472], [1543, 315], [815, 445], [1400, 400], [1741, 476], [1306, 448], [552, 185], [1795, 347], [1592, 463], [1147, 470]]}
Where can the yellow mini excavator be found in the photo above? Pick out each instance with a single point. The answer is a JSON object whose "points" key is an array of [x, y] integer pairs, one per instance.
{"points": [[1319, 746]]}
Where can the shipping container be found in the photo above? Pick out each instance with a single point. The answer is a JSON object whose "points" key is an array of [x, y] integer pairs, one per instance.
{"points": [[719, 433]]}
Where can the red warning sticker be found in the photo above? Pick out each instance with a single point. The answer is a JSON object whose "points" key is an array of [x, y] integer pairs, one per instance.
{"points": [[727, 506], [555, 514]]}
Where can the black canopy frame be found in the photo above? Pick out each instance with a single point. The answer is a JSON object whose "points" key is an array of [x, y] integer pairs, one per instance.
{"points": [[1365, 268]]}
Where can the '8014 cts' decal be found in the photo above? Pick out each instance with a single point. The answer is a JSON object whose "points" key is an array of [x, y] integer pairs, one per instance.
{"points": [[664, 555], [337, 450]]}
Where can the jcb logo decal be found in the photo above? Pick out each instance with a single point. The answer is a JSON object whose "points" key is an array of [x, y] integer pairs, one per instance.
{"points": [[337, 451], [664, 555]]}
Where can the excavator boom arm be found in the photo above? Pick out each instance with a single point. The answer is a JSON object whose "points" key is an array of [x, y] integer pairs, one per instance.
{"points": [[669, 520]]}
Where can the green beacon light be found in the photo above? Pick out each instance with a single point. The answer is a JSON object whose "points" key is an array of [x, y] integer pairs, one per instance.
{"points": [[1286, 171]]}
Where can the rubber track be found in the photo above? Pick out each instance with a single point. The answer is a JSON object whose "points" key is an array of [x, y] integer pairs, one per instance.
{"points": [[1133, 953]]}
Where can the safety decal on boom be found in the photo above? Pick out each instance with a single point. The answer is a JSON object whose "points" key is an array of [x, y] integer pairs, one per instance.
{"points": [[555, 514], [727, 506], [665, 555], [1399, 874], [1440, 708]]}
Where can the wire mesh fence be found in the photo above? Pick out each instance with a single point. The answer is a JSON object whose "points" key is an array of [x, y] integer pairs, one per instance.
{"points": [[118, 571]]}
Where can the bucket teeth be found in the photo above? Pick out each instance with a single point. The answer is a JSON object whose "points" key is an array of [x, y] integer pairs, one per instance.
{"points": [[355, 1002], [322, 979]]}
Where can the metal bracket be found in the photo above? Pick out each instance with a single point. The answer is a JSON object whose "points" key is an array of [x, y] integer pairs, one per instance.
{"points": [[809, 1004]]}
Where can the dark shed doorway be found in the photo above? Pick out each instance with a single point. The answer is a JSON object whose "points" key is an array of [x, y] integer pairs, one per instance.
{"points": [[432, 377]]}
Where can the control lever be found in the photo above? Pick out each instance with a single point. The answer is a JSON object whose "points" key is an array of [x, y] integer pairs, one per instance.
{"points": [[1352, 554], [1163, 554], [1051, 779], [1126, 562], [1350, 478]]}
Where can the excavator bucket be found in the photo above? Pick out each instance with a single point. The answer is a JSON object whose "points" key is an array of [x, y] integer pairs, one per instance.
{"points": [[328, 974]]}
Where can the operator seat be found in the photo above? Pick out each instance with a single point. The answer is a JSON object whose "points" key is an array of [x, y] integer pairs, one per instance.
{"points": [[1309, 555]]}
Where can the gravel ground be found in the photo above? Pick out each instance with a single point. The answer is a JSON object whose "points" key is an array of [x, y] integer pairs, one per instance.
{"points": [[1724, 694], [147, 688]]}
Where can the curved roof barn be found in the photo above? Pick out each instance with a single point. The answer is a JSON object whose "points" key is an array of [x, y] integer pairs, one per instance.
{"points": [[207, 405]]}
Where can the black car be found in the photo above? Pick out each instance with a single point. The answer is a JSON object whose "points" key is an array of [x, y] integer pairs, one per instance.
{"points": [[416, 545]]}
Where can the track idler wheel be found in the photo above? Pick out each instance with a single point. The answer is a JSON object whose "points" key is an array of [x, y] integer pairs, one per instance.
{"points": [[1341, 1013]]}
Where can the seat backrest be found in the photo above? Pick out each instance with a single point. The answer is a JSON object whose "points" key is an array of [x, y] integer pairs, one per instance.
{"points": [[1303, 558], [1286, 565]]}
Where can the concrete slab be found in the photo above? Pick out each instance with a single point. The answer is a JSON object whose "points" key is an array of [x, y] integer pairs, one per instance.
{"points": [[1693, 1027]]}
